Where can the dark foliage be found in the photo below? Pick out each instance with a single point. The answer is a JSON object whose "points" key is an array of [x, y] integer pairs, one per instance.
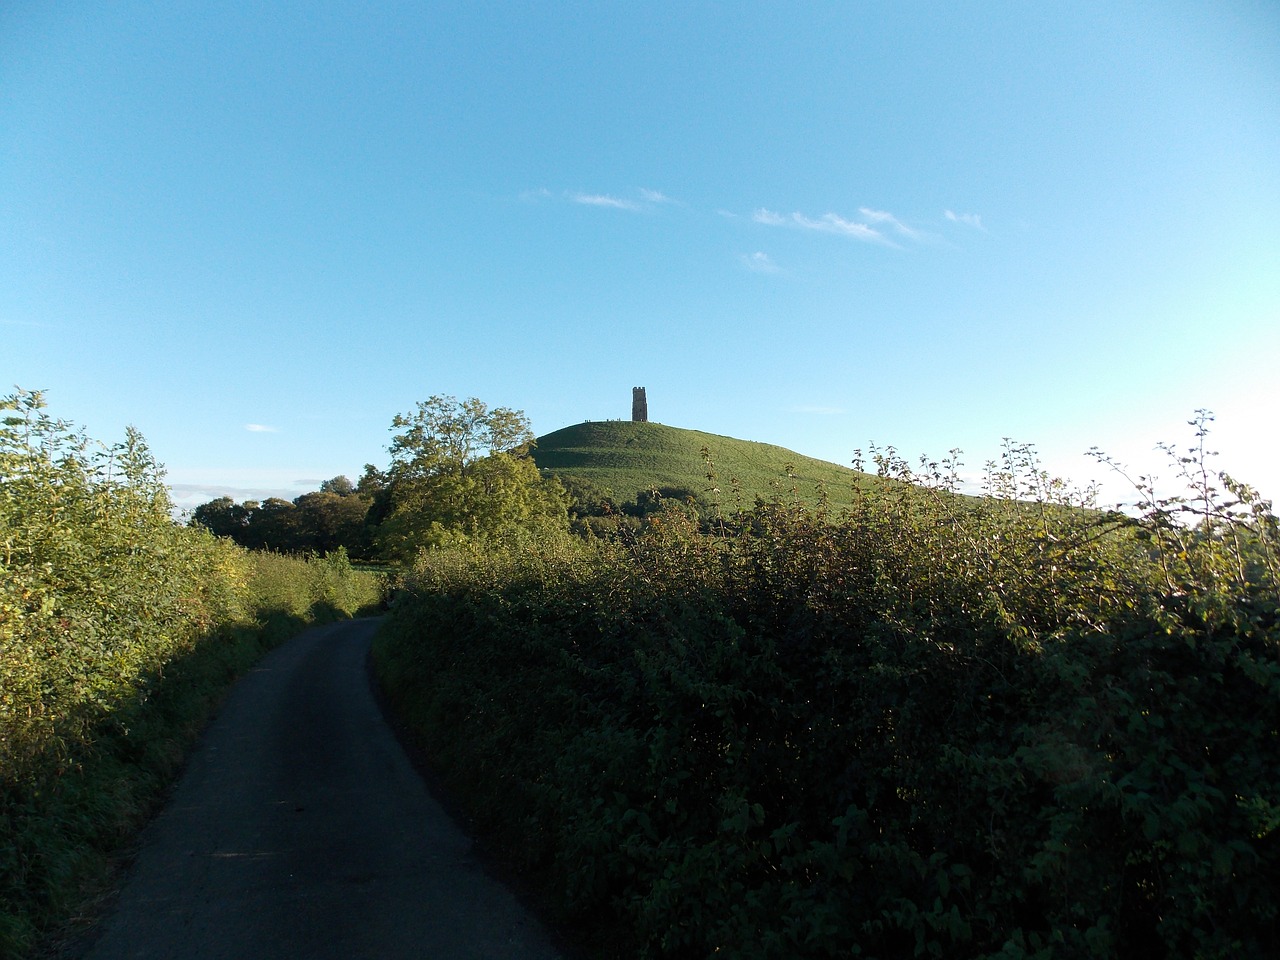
{"points": [[933, 726], [335, 516]]}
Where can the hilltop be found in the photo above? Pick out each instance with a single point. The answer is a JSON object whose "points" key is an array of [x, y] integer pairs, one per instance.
{"points": [[624, 458]]}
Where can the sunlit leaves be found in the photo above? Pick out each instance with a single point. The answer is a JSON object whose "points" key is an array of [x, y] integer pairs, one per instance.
{"points": [[103, 600], [460, 469]]}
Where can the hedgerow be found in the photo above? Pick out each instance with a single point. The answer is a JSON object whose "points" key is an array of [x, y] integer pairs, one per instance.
{"points": [[938, 726], [119, 631]]}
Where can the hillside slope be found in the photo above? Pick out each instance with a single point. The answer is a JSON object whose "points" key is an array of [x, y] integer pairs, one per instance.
{"points": [[623, 458]]}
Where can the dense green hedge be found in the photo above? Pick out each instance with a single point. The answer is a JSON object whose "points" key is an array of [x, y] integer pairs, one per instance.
{"points": [[119, 631], [933, 726]]}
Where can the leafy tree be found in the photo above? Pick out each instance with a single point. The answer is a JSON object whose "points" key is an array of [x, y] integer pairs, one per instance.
{"points": [[223, 517], [372, 482], [328, 520], [342, 486], [445, 433], [272, 526], [462, 469], [376, 486]]}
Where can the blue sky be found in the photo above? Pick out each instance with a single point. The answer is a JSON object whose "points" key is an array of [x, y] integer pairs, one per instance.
{"points": [[257, 232]]}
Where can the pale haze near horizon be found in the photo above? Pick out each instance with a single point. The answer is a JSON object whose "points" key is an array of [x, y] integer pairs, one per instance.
{"points": [[257, 233]]}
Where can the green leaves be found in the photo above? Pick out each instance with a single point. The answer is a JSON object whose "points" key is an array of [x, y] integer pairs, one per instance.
{"points": [[460, 469], [445, 434], [118, 630]]}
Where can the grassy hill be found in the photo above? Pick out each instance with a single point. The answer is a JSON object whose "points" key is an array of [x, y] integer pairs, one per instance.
{"points": [[621, 458]]}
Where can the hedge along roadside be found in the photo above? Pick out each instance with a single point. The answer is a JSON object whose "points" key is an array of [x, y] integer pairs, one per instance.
{"points": [[119, 633], [934, 726]]}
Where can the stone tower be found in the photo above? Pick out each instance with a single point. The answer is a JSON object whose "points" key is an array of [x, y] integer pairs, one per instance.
{"points": [[639, 405]]}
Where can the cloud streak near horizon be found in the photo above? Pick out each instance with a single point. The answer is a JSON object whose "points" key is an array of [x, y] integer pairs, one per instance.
{"points": [[260, 428]]}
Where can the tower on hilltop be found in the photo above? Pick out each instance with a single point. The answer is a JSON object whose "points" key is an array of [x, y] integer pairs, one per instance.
{"points": [[639, 405]]}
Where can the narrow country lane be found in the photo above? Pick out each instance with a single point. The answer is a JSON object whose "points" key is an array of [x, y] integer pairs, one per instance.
{"points": [[301, 830]]}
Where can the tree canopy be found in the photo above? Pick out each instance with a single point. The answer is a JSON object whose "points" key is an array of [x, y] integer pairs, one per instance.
{"points": [[462, 469], [444, 434]]}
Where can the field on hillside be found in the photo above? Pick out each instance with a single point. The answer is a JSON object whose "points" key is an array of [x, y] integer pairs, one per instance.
{"points": [[622, 458]]}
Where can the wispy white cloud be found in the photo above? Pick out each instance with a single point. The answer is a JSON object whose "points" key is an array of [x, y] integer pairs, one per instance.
{"points": [[833, 223], [827, 223], [655, 196], [877, 216], [882, 216], [758, 262], [645, 199], [260, 428], [603, 200], [972, 219]]}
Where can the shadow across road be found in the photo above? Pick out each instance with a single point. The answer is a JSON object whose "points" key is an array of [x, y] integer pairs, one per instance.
{"points": [[301, 829]]}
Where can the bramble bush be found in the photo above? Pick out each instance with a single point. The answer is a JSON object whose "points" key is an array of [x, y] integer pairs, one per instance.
{"points": [[936, 726], [119, 630]]}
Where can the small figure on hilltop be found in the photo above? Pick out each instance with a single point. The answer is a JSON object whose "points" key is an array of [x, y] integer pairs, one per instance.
{"points": [[639, 405]]}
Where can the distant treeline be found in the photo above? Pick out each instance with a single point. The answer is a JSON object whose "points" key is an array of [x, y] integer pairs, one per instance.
{"points": [[336, 515], [460, 470], [345, 515]]}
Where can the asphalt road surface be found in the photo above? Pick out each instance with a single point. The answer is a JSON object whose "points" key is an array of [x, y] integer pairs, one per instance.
{"points": [[301, 830]]}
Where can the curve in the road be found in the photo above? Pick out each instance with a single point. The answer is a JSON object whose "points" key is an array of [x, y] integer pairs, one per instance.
{"points": [[300, 829]]}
